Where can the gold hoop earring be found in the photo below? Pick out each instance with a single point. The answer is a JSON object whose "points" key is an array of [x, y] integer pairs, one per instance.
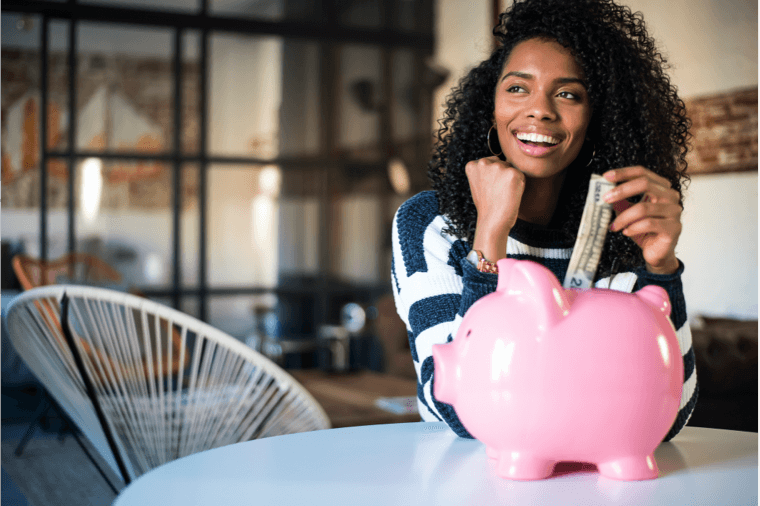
{"points": [[490, 142], [593, 153]]}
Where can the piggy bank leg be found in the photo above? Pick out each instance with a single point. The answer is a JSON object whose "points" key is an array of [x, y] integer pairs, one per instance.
{"points": [[492, 453], [517, 465], [630, 468]]}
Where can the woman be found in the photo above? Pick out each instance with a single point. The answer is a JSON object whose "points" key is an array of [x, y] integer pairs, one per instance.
{"points": [[574, 88]]}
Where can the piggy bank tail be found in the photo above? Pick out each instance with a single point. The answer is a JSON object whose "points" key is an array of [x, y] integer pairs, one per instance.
{"points": [[444, 360]]}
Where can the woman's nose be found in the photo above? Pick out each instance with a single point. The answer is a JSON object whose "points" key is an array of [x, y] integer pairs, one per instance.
{"points": [[541, 107]]}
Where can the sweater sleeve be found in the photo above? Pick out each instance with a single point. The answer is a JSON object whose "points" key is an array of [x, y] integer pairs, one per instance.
{"points": [[672, 284], [433, 286]]}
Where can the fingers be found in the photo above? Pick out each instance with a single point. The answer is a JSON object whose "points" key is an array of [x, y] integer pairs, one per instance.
{"points": [[656, 226], [654, 223], [636, 171], [645, 210], [633, 181]]}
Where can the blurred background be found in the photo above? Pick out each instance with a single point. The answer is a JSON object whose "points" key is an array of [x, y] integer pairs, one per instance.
{"points": [[242, 160], [238, 160]]}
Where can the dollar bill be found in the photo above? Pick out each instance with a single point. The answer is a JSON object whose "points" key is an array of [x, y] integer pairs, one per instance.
{"points": [[595, 222]]}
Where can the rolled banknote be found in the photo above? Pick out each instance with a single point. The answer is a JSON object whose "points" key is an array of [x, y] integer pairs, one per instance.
{"points": [[595, 222]]}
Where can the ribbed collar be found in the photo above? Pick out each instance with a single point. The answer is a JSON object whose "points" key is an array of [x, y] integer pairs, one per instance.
{"points": [[539, 236]]}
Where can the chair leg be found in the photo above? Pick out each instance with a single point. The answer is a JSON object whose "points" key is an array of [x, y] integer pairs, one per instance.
{"points": [[42, 410], [46, 403]]}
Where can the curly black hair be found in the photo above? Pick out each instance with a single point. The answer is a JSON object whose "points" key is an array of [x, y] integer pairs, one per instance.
{"points": [[638, 118]]}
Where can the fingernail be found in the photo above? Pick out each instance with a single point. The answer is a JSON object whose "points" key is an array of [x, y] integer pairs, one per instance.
{"points": [[609, 196], [609, 175], [613, 227]]}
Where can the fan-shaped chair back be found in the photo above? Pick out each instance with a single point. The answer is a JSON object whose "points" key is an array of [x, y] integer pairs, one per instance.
{"points": [[228, 393]]}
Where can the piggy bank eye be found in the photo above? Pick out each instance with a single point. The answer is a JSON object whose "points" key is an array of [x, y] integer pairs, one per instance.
{"points": [[468, 333]]}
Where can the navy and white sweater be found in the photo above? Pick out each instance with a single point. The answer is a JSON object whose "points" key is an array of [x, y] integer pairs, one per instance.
{"points": [[434, 285]]}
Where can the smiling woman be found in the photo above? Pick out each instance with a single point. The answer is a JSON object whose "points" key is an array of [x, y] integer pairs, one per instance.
{"points": [[571, 89], [541, 109]]}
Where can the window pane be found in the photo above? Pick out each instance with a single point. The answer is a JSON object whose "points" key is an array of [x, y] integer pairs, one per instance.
{"points": [[164, 5], [245, 95], [299, 224], [238, 315], [355, 246], [359, 98], [360, 13], [58, 86], [57, 205], [20, 131], [404, 18], [242, 225], [404, 107], [272, 10], [301, 115], [124, 216], [124, 86], [191, 73], [190, 305], [190, 225]]}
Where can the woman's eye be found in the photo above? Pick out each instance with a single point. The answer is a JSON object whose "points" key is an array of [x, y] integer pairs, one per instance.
{"points": [[515, 89], [567, 94]]}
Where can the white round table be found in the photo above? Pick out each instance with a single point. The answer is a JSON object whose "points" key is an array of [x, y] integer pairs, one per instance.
{"points": [[426, 464]]}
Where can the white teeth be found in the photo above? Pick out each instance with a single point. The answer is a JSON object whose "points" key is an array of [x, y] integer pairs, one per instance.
{"points": [[532, 137]]}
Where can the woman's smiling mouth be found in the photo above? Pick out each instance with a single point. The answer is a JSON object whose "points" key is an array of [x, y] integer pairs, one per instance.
{"points": [[534, 138], [534, 144]]}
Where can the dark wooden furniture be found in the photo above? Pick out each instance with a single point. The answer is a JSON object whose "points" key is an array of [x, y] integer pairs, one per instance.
{"points": [[349, 398]]}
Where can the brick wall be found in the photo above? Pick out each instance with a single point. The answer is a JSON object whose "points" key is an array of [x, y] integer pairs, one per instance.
{"points": [[724, 129], [147, 84]]}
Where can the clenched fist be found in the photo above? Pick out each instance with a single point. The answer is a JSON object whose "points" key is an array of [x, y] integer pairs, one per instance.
{"points": [[497, 189]]}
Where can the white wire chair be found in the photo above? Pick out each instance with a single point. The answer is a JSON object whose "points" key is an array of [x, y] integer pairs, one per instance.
{"points": [[228, 393]]}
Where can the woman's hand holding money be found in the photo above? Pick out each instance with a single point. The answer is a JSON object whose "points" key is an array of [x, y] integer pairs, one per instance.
{"points": [[654, 223], [497, 190]]}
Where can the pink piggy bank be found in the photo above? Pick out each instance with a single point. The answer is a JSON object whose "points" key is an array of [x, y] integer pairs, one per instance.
{"points": [[541, 375]]}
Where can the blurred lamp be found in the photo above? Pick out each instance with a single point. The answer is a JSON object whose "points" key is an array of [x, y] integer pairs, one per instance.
{"points": [[92, 188], [399, 176], [353, 317]]}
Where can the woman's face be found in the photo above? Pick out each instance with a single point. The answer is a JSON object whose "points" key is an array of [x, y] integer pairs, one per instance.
{"points": [[542, 108]]}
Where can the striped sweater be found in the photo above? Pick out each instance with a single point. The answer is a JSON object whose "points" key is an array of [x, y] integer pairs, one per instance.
{"points": [[434, 285]]}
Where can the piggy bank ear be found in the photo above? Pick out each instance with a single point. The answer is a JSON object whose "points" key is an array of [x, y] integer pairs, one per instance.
{"points": [[656, 297], [534, 283], [505, 266]]}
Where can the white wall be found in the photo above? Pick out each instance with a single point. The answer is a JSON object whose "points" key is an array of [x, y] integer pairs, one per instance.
{"points": [[711, 46], [719, 245], [463, 39]]}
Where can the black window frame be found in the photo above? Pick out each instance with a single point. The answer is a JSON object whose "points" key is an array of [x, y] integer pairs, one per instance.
{"points": [[330, 33]]}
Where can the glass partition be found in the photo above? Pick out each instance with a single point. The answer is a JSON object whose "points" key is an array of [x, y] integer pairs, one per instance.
{"points": [[124, 88], [246, 94], [20, 144], [284, 147], [242, 226], [359, 101], [124, 217]]}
